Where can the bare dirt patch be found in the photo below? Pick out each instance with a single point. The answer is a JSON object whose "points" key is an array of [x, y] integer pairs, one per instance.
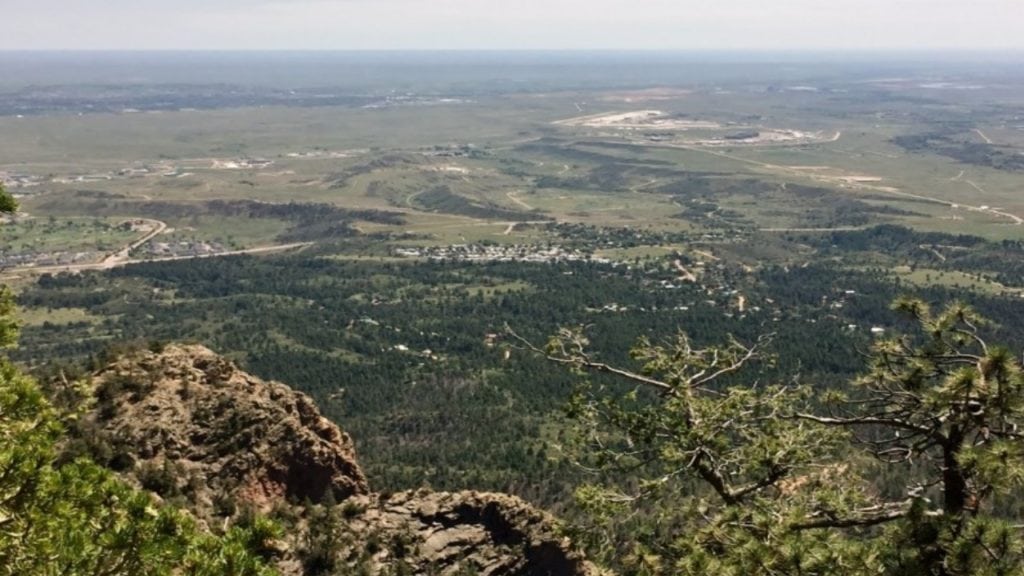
{"points": [[639, 120]]}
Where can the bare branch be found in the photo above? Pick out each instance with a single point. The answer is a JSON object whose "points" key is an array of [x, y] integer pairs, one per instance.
{"points": [[863, 518], [581, 360], [749, 354], [771, 478], [867, 421]]}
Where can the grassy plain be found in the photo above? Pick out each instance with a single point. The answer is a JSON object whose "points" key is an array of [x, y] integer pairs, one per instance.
{"points": [[475, 170]]}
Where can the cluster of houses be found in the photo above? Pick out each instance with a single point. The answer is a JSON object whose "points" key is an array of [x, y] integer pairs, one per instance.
{"points": [[413, 100], [241, 164], [498, 253], [13, 180], [22, 259], [184, 248]]}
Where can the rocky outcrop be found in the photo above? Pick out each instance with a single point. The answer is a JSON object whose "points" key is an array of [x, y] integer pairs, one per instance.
{"points": [[188, 424], [466, 533], [189, 416]]}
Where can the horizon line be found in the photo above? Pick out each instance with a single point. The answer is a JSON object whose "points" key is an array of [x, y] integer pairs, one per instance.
{"points": [[802, 50]]}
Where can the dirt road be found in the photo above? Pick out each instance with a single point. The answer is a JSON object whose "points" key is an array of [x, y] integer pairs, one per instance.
{"points": [[685, 273], [1016, 219], [108, 264], [156, 228], [707, 255], [513, 196]]}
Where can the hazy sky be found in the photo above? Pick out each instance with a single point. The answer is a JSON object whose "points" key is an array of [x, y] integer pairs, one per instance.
{"points": [[512, 24]]}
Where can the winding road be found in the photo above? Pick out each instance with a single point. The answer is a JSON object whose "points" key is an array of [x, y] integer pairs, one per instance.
{"points": [[156, 228]]}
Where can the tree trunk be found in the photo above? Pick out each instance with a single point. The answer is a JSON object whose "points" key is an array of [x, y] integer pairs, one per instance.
{"points": [[954, 484]]}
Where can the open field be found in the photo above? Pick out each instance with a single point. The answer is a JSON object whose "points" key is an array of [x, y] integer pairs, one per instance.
{"points": [[681, 162], [31, 317], [65, 234]]}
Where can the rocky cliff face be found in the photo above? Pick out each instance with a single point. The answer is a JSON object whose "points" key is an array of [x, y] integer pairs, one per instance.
{"points": [[189, 425], [222, 431]]}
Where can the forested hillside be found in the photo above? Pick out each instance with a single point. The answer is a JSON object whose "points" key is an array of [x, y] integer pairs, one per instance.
{"points": [[413, 357]]}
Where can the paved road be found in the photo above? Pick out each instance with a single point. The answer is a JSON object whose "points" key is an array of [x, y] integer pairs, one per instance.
{"points": [[835, 229], [108, 263]]}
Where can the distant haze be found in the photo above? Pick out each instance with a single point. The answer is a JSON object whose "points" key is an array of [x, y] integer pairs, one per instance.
{"points": [[512, 24]]}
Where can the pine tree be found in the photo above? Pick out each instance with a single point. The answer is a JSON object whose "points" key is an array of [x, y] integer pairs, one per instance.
{"points": [[705, 473]]}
